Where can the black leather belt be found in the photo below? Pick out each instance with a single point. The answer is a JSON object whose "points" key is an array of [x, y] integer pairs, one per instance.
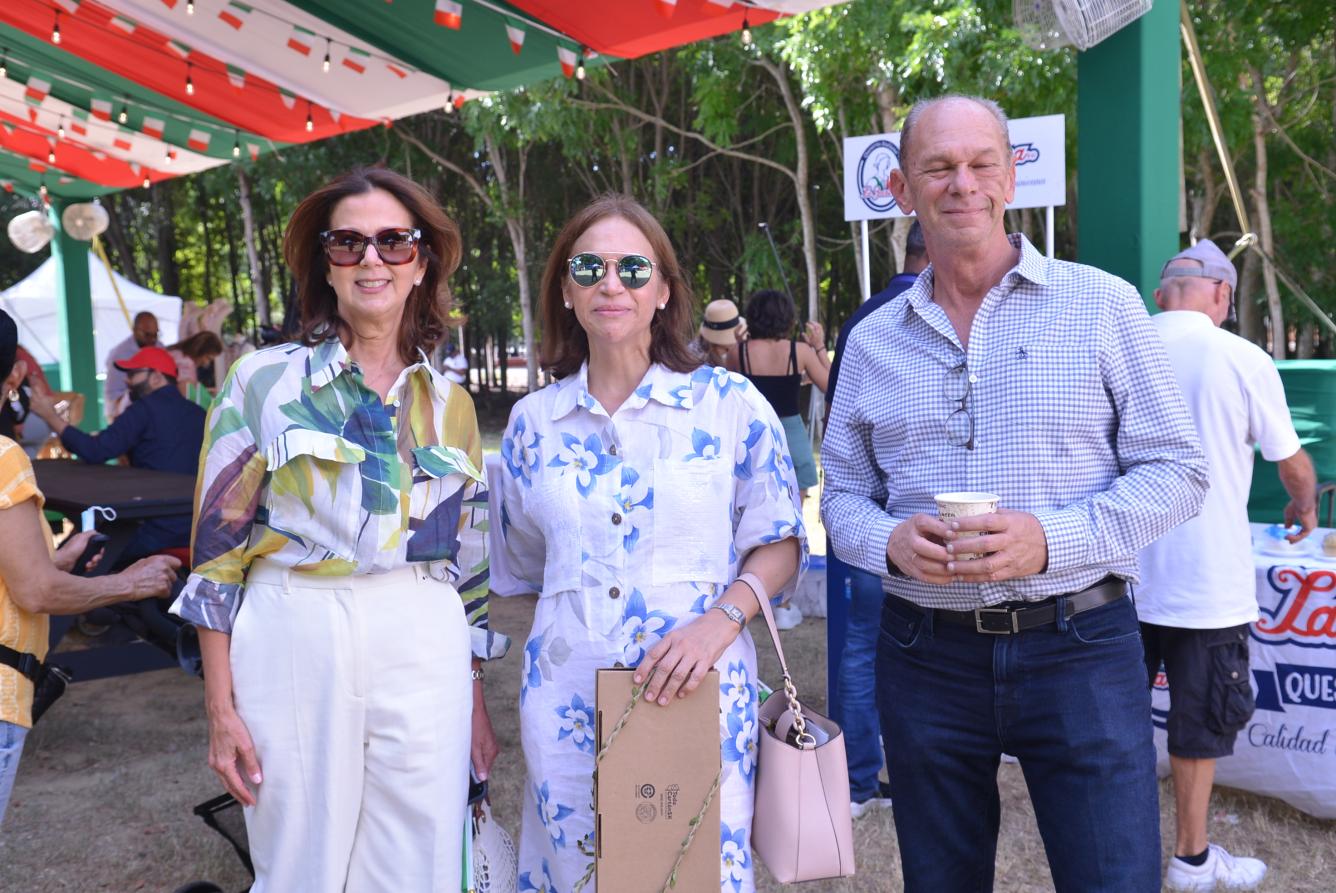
{"points": [[1008, 620]]}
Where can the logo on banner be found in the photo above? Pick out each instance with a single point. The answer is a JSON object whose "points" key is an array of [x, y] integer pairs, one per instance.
{"points": [[1297, 686], [1304, 609], [874, 175], [1024, 153]]}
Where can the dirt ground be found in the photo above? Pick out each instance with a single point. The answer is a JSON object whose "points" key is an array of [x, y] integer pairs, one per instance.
{"points": [[108, 780]]}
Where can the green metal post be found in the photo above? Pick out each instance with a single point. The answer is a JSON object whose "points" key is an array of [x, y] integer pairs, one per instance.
{"points": [[1128, 136], [74, 298]]}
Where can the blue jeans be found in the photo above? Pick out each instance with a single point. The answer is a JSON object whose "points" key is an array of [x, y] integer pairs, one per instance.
{"points": [[11, 747], [856, 690], [1070, 701]]}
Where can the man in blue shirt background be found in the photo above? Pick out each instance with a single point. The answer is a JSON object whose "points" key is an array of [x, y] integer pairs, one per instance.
{"points": [[916, 259], [855, 686], [161, 430]]}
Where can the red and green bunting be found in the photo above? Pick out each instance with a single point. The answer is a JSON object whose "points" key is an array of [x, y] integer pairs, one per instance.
{"points": [[126, 93]]}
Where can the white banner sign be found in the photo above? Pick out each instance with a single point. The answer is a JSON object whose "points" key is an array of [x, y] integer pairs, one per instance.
{"points": [[1288, 749], [1038, 145]]}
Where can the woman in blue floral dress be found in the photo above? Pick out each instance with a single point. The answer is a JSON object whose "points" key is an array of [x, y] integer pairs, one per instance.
{"points": [[637, 488]]}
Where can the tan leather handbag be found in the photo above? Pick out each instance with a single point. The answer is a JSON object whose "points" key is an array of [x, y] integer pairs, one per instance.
{"points": [[802, 828]]}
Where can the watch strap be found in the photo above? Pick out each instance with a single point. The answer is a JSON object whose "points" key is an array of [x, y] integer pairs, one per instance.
{"points": [[732, 612]]}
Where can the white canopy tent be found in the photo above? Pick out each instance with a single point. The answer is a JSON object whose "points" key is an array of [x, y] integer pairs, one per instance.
{"points": [[33, 304]]}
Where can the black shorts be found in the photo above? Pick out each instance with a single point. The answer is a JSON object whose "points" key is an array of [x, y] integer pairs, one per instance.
{"points": [[1210, 690]]}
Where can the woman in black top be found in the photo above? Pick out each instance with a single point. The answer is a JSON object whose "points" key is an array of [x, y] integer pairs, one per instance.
{"points": [[775, 362]]}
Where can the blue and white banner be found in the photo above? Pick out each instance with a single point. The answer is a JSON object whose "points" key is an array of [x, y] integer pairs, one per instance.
{"points": [[1288, 749], [1038, 146]]}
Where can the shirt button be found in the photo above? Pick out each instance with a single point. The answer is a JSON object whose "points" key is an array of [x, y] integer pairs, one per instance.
{"points": [[1234, 675], [616, 518], [614, 592]]}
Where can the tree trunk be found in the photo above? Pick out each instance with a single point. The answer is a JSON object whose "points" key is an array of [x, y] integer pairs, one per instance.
{"points": [[888, 96], [1306, 341], [233, 269], [802, 182], [855, 226], [252, 251], [900, 227], [1249, 309], [1204, 205], [202, 208], [1262, 207], [165, 221], [515, 227], [120, 244]]}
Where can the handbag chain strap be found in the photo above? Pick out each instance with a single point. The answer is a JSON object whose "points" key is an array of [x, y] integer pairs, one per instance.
{"points": [[804, 738]]}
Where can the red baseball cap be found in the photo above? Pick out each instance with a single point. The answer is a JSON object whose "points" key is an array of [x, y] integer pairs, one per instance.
{"points": [[154, 358]]}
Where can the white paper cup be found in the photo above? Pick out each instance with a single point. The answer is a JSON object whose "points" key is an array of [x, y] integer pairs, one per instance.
{"points": [[960, 505]]}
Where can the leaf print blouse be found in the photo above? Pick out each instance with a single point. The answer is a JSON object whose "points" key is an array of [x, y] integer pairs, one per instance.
{"points": [[304, 465]]}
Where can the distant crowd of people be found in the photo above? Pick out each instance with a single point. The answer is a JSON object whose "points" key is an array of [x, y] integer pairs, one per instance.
{"points": [[652, 497]]}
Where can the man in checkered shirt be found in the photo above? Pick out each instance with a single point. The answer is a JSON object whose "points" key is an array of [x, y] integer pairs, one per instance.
{"points": [[1043, 382]]}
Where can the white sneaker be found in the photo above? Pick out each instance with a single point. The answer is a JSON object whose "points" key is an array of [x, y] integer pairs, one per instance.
{"points": [[859, 808], [788, 616], [879, 800], [1220, 871]]}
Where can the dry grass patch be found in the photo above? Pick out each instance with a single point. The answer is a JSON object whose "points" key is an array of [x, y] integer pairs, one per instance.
{"points": [[108, 780]]}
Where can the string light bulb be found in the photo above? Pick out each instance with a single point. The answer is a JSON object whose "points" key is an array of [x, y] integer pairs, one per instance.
{"points": [[190, 82], [190, 7], [167, 157], [746, 31], [236, 144], [124, 114], [60, 129], [325, 65], [55, 30], [580, 66], [147, 181], [310, 122], [51, 155]]}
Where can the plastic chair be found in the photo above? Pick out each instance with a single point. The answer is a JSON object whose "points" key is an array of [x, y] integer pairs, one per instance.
{"points": [[1326, 492]]}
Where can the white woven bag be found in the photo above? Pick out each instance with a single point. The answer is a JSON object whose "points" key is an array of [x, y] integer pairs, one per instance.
{"points": [[495, 862]]}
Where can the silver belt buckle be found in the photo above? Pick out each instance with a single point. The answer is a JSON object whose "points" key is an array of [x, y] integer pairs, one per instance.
{"points": [[978, 621]]}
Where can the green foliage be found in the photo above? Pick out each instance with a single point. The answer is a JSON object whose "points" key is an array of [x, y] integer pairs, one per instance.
{"points": [[702, 137]]}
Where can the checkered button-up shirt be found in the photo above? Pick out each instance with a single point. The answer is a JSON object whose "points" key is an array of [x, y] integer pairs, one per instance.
{"points": [[1077, 419]]}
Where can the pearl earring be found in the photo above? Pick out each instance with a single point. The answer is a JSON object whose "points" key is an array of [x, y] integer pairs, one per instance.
{"points": [[568, 305], [417, 281], [663, 305]]}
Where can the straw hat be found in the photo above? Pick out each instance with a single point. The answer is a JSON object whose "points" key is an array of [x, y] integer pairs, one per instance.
{"points": [[722, 324]]}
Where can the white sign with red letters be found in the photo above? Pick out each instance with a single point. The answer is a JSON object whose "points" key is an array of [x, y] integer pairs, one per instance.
{"points": [[1038, 146], [1288, 749]]}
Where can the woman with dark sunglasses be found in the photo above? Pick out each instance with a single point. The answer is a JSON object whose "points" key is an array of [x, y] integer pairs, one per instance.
{"points": [[651, 502], [340, 566]]}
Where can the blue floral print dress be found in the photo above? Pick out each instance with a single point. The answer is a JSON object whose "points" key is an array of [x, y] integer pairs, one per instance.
{"points": [[630, 526]]}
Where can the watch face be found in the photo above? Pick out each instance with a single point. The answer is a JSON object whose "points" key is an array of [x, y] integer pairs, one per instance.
{"points": [[734, 613]]}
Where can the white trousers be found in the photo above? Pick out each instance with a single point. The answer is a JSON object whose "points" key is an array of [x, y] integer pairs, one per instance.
{"points": [[356, 691]]}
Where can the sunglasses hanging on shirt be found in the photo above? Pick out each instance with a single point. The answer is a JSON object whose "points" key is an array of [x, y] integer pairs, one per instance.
{"points": [[347, 247]]}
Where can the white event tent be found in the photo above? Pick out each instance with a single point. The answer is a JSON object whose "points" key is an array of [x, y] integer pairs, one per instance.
{"points": [[33, 303]]}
